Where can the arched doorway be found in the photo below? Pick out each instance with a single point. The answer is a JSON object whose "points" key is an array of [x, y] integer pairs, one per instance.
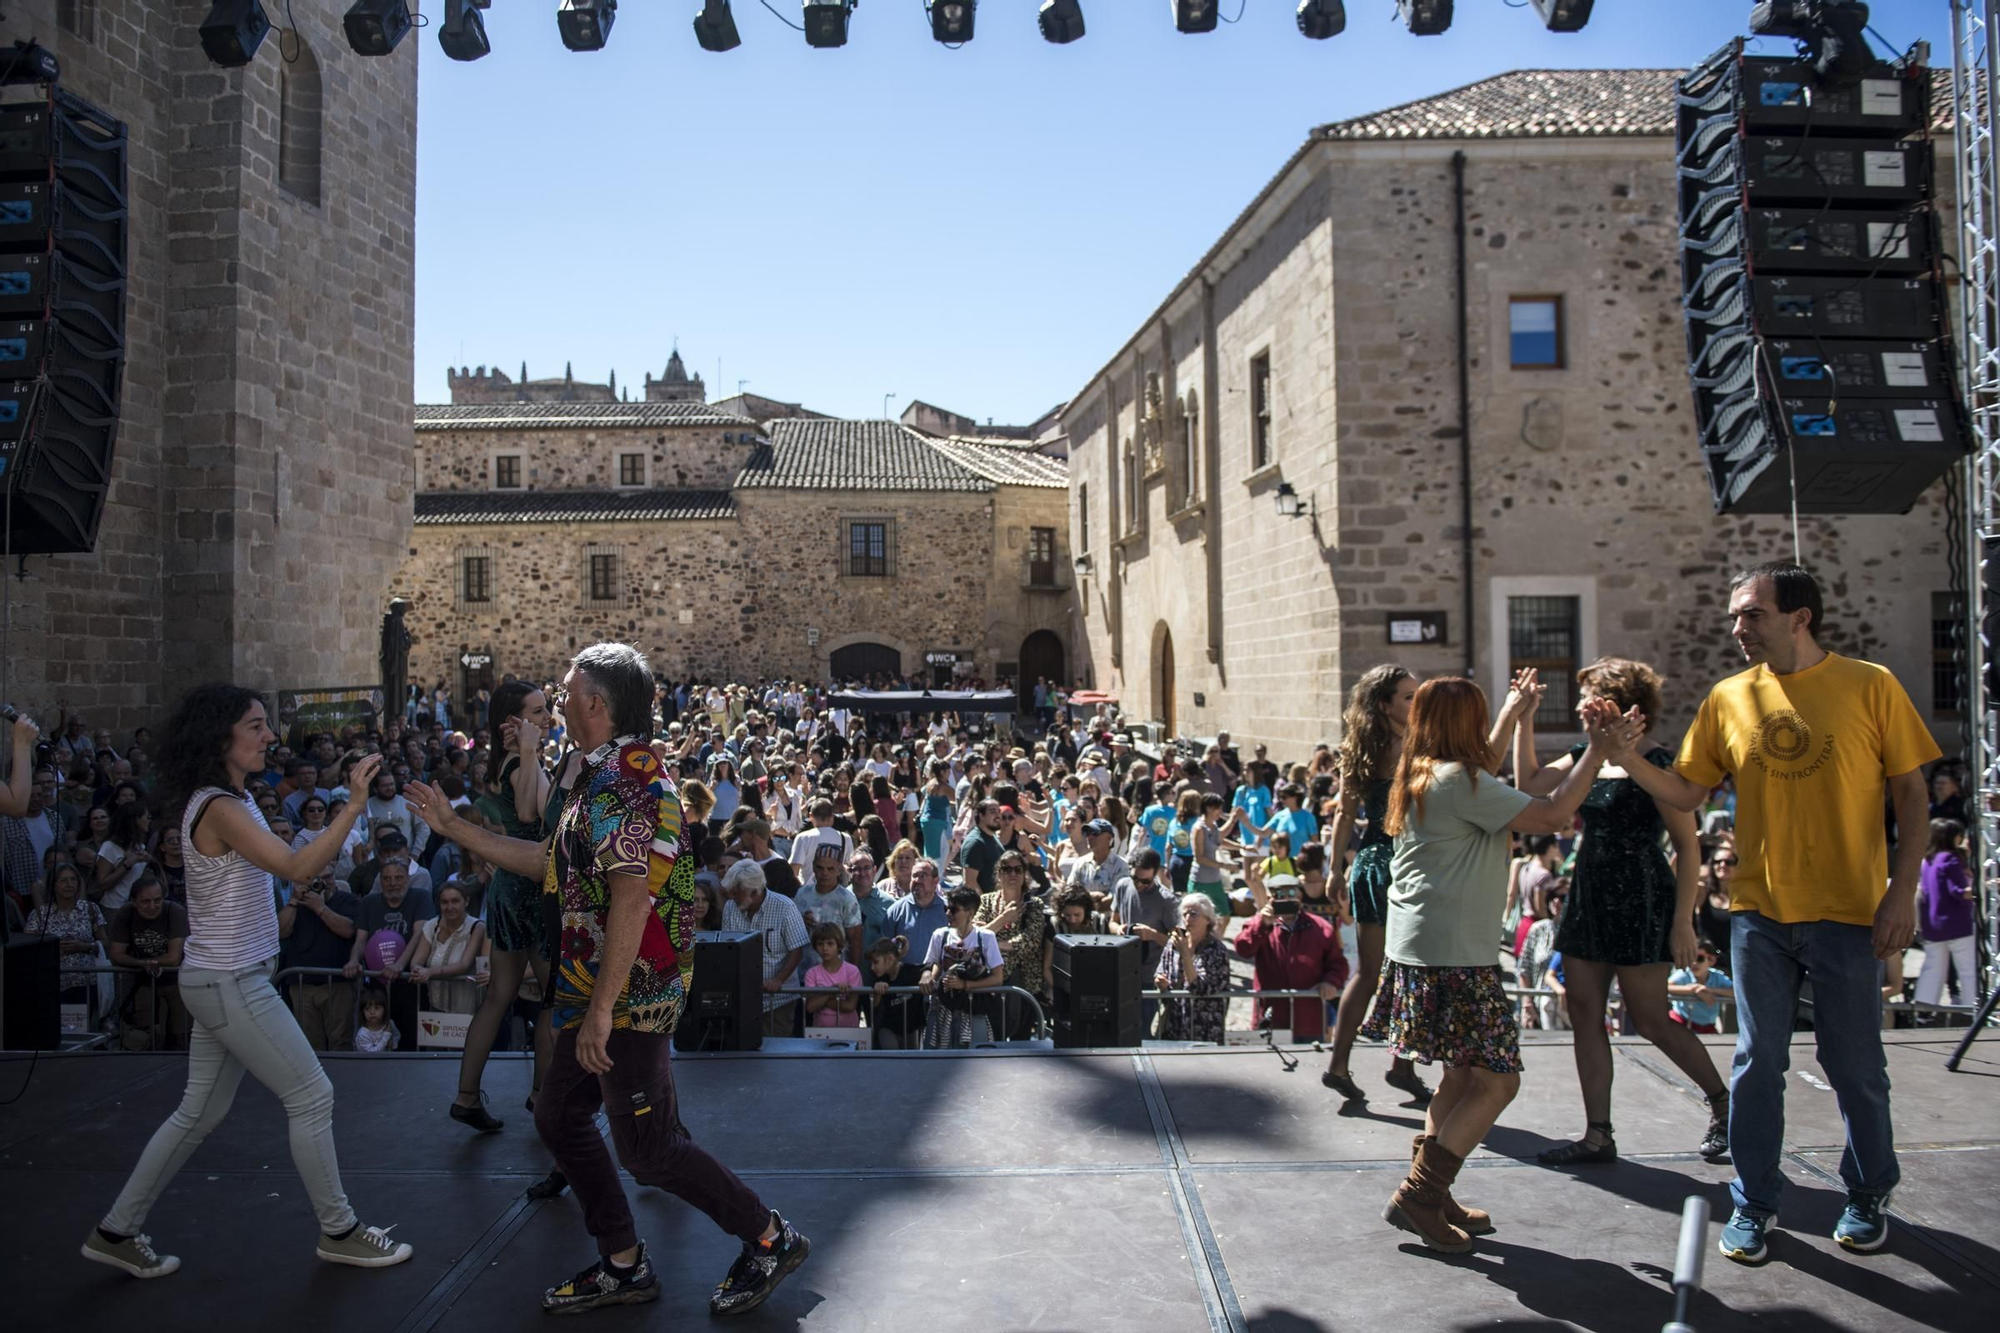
{"points": [[1163, 680], [859, 661], [1042, 658]]}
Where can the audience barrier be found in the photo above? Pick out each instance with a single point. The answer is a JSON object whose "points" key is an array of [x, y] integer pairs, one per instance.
{"points": [[93, 1037]]}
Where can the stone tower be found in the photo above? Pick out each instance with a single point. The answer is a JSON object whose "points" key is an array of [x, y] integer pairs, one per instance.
{"points": [[261, 490], [675, 386]]}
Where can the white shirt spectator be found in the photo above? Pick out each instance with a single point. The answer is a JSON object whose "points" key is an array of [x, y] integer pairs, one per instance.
{"points": [[120, 892], [778, 922], [395, 811], [807, 842], [946, 940]]}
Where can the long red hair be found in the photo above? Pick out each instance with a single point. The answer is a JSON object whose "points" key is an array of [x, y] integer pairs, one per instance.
{"points": [[1448, 722]]}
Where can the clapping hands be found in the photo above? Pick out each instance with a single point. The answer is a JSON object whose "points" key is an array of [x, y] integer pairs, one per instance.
{"points": [[1524, 693], [1611, 731]]}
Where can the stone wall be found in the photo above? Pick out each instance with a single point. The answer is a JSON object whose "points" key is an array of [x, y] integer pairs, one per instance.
{"points": [[679, 457], [265, 412], [1586, 481], [726, 599]]}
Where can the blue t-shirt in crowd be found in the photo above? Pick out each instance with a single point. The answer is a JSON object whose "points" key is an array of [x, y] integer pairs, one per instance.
{"points": [[1300, 825], [1701, 1013], [917, 924], [1255, 803], [1156, 820]]}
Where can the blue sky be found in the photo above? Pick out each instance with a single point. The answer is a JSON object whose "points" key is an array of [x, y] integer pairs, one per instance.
{"points": [[980, 228]]}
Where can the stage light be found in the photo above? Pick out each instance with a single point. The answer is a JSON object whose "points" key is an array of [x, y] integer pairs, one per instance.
{"points": [[1321, 19], [586, 24], [463, 36], [715, 27], [233, 31], [951, 20], [1425, 18], [826, 22], [1195, 15], [1061, 20], [375, 26], [1564, 15]]}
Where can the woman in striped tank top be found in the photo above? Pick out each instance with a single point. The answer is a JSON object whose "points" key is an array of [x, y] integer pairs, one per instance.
{"points": [[217, 738]]}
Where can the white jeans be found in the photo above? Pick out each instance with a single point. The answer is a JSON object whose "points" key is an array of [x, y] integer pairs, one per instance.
{"points": [[1937, 953], [240, 1025]]}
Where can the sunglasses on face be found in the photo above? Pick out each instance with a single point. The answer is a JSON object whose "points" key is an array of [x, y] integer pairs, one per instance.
{"points": [[1725, 860]]}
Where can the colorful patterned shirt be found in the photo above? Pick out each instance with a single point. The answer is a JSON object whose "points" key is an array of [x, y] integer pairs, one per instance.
{"points": [[621, 817]]}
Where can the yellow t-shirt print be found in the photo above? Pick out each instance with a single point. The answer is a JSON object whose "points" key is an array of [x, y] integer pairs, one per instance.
{"points": [[1810, 753]]}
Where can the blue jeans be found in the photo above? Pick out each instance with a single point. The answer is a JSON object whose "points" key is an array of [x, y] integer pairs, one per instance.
{"points": [[241, 1026], [1769, 958]]}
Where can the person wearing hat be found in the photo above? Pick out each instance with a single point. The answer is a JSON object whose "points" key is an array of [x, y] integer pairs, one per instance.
{"points": [[1291, 949], [1104, 869], [1092, 767]]}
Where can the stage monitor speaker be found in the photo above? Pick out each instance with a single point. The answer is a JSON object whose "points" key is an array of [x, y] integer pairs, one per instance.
{"points": [[33, 1008], [1818, 326], [1097, 985], [62, 318], [725, 1000]]}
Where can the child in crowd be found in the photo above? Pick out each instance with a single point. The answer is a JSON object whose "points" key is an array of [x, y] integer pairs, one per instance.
{"points": [[833, 1011], [1280, 861], [1696, 990], [376, 1033], [895, 1022], [1944, 914]]}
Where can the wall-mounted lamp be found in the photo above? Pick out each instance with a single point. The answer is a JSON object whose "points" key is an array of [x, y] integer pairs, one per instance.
{"points": [[1083, 563], [1290, 503]]}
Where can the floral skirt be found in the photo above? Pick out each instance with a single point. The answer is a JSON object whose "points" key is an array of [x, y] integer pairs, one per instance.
{"points": [[1447, 1016]]}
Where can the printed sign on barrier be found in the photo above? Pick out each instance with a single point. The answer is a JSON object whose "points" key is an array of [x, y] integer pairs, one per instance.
{"points": [[437, 1030]]}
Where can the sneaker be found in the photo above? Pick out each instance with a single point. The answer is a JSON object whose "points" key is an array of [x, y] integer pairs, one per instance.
{"points": [[550, 1186], [599, 1285], [759, 1269], [364, 1247], [1743, 1238], [134, 1254], [1864, 1223]]}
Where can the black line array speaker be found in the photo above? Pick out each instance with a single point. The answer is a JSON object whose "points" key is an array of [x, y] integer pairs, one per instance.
{"points": [[62, 317], [1097, 985], [725, 1000], [1818, 330], [33, 1007]]}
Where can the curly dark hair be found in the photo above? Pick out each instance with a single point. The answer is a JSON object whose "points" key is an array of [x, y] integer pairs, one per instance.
{"points": [[196, 737], [1365, 735], [1627, 683]]}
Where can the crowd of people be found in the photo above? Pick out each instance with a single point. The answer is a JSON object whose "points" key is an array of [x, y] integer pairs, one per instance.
{"points": [[909, 873]]}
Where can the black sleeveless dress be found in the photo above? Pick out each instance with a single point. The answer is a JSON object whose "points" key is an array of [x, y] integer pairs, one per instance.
{"points": [[1621, 895]]}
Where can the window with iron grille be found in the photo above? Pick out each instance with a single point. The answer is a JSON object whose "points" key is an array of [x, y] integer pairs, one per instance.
{"points": [[1260, 411], [868, 549], [1948, 663], [476, 579], [507, 472], [631, 469], [1544, 633]]}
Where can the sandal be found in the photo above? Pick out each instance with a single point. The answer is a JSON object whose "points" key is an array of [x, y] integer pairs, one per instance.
{"points": [[1583, 1152]]}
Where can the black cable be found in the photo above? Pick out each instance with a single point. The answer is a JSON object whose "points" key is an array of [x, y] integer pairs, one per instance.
{"points": [[298, 43], [795, 27], [1239, 13], [33, 1060]]}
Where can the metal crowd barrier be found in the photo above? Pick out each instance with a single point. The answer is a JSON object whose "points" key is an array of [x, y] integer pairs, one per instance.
{"points": [[1004, 994]]}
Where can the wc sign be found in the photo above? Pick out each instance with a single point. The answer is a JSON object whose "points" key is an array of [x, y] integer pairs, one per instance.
{"points": [[1419, 627]]}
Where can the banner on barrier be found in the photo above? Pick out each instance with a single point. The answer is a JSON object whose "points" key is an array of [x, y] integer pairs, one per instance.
{"points": [[440, 1031]]}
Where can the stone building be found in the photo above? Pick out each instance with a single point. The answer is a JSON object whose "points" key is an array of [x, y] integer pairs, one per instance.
{"points": [[824, 549], [260, 493], [1310, 365]]}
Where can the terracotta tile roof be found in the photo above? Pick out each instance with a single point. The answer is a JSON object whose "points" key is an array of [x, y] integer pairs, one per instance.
{"points": [[855, 456], [1555, 103], [441, 507], [1007, 462], [570, 416]]}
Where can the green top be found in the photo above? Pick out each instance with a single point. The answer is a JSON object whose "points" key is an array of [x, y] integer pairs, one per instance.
{"points": [[1448, 881]]}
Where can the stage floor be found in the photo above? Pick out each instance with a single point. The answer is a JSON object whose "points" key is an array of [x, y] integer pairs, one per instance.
{"points": [[1154, 1192]]}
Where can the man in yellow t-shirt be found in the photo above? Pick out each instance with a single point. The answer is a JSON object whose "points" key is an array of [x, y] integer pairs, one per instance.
{"points": [[1811, 739]]}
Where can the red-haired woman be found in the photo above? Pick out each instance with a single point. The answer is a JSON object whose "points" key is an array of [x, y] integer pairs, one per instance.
{"points": [[1440, 998], [1630, 913]]}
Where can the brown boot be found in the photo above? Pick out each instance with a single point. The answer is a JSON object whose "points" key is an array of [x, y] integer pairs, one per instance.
{"points": [[1418, 1203], [1472, 1221]]}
